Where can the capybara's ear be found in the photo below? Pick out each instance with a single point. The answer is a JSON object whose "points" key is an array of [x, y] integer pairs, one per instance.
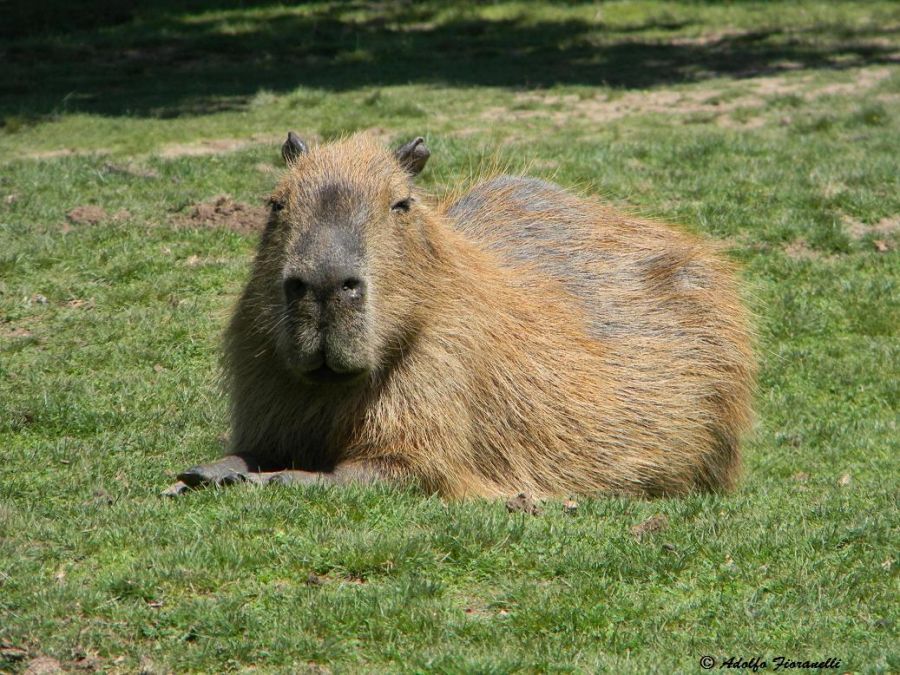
{"points": [[413, 156], [293, 147]]}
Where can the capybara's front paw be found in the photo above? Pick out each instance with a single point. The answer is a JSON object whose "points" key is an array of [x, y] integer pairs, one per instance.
{"points": [[211, 474], [204, 475], [175, 489]]}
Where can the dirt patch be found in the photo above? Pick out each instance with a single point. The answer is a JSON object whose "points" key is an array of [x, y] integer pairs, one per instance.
{"points": [[80, 303], [224, 213], [90, 214], [215, 146], [599, 110], [707, 39], [730, 122], [15, 332], [885, 227], [657, 523], [523, 503], [64, 152], [131, 170], [87, 215], [799, 249], [885, 232], [354, 580], [85, 660], [866, 78], [210, 147], [43, 665], [707, 100]]}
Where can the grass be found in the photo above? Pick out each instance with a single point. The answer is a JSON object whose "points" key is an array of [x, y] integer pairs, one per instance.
{"points": [[771, 127]]}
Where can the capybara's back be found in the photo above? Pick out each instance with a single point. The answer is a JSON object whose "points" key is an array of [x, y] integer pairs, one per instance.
{"points": [[664, 313], [518, 338]]}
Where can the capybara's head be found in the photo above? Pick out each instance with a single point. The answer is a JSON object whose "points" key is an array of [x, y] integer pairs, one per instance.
{"points": [[343, 238]]}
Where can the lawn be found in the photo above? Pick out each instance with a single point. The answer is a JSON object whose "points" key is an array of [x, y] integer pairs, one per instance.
{"points": [[136, 150]]}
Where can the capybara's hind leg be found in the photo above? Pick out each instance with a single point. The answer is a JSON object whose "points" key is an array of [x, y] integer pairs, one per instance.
{"points": [[343, 474], [288, 477]]}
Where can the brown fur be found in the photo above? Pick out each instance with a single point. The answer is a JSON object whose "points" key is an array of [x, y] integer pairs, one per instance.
{"points": [[615, 357]]}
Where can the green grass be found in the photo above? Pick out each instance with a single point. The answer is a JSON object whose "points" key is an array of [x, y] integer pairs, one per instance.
{"points": [[773, 127]]}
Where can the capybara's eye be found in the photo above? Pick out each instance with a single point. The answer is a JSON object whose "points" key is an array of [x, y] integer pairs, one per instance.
{"points": [[276, 205], [402, 206]]}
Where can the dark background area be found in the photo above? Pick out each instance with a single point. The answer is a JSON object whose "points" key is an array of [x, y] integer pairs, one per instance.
{"points": [[154, 59]]}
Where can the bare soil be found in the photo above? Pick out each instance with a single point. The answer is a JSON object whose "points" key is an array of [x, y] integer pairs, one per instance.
{"points": [[224, 213], [216, 146], [650, 526], [87, 215], [885, 227], [711, 100]]}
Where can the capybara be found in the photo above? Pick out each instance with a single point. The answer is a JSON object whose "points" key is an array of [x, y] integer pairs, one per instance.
{"points": [[518, 338]]}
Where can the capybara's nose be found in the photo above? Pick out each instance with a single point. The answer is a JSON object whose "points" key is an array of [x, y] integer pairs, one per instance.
{"points": [[324, 288], [352, 289]]}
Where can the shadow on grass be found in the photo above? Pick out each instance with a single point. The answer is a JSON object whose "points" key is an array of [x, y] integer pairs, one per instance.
{"points": [[200, 56]]}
